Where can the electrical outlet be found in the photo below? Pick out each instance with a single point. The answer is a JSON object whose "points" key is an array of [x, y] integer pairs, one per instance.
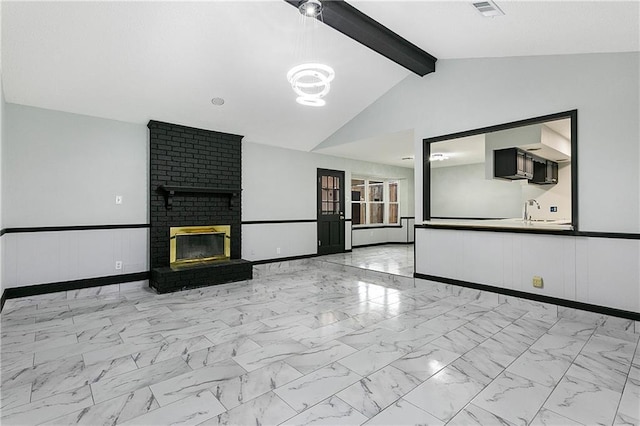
{"points": [[537, 282], [118, 264], [278, 250], [118, 199]]}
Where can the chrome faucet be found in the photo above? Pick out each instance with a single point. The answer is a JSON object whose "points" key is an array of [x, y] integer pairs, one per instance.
{"points": [[526, 212]]}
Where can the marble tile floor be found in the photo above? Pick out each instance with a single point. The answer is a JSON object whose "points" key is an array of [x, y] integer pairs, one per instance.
{"points": [[394, 259], [310, 345]]}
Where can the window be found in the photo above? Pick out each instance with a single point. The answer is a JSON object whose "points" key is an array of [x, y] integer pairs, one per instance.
{"points": [[330, 195], [374, 202]]}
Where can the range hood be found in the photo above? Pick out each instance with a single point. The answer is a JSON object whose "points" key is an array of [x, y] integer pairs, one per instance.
{"points": [[549, 145]]}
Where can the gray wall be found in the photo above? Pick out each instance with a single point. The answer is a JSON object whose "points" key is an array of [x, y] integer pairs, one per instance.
{"points": [[280, 184], [463, 191], [66, 169], [62, 169], [3, 138], [604, 88], [558, 195]]}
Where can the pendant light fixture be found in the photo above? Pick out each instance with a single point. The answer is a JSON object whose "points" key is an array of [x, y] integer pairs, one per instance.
{"points": [[311, 81]]}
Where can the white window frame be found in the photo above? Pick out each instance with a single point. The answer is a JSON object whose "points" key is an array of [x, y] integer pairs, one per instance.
{"points": [[385, 197]]}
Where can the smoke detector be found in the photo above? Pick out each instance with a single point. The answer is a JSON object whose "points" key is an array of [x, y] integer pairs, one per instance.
{"points": [[488, 8]]}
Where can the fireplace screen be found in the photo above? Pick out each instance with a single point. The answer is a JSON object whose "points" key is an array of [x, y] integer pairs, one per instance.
{"points": [[199, 243]]}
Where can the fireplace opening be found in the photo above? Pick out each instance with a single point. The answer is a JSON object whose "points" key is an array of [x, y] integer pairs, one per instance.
{"points": [[191, 244]]}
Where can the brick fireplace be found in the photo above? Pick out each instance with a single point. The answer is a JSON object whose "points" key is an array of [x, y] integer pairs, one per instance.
{"points": [[195, 184]]}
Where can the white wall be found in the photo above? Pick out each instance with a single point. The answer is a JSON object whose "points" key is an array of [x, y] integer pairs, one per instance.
{"points": [[279, 240], [373, 235], [280, 184], [48, 257], [66, 169], [604, 88], [558, 195], [62, 169], [463, 191], [3, 138], [599, 271]]}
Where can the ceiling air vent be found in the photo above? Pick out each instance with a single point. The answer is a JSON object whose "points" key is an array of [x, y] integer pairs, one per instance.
{"points": [[488, 8]]}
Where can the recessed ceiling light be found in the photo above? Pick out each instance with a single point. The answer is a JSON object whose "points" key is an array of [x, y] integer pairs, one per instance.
{"points": [[488, 8], [217, 101], [438, 157]]}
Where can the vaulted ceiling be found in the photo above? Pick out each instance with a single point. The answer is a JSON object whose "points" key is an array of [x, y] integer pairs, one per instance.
{"points": [[135, 61]]}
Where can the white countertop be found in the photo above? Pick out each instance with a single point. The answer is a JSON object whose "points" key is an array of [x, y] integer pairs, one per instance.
{"points": [[555, 225]]}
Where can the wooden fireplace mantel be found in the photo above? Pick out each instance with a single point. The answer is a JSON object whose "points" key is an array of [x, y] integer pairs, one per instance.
{"points": [[171, 190]]}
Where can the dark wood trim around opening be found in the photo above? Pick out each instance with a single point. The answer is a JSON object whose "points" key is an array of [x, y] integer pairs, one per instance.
{"points": [[572, 114], [635, 316]]}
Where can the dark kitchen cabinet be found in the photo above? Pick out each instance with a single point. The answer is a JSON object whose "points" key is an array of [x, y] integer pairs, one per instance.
{"points": [[545, 172], [512, 163]]}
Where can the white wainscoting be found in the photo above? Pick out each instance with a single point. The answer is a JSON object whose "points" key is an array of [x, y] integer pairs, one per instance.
{"points": [[373, 235], [54, 256], [261, 241], [599, 271]]}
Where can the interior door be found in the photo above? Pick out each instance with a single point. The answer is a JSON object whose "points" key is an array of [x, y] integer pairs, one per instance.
{"points": [[331, 187]]}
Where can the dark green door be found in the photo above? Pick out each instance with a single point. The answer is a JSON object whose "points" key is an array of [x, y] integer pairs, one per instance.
{"points": [[331, 187]]}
